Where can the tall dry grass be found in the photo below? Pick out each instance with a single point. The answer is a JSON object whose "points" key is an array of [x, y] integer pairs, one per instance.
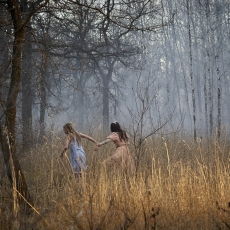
{"points": [[178, 185]]}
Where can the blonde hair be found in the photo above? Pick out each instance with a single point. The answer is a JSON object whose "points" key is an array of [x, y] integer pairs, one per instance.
{"points": [[71, 132]]}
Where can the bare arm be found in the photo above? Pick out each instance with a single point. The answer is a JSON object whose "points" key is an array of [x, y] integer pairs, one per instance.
{"points": [[66, 146], [104, 142], [88, 137]]}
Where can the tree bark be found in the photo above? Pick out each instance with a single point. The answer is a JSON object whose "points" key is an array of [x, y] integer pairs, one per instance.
{"points": [[218, 60], [105, 102], [218, 98], [206, 99], [43, 95], [191, 70], [7, 129], [27, 102]]}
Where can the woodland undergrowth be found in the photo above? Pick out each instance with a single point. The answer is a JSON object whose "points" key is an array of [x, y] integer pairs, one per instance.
{"points": [[178, 184]]}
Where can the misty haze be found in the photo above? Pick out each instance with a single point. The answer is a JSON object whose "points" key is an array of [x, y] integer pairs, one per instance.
{"points": [[159, 69]]}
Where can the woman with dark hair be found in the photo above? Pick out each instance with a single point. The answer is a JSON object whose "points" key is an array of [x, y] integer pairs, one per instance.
{"points": [[77, 153], [121, 158]]}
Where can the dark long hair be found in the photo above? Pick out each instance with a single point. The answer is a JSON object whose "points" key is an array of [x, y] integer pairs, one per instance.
{"points": [[115, 127]]}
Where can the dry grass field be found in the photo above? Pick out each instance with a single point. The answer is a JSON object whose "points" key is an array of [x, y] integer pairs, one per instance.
{"points": [[178, 185]]}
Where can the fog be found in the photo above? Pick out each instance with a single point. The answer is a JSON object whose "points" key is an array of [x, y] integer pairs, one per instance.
{"points": [[166, 69]]}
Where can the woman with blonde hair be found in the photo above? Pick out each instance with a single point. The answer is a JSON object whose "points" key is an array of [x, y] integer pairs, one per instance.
{"points": [[77, 153]]}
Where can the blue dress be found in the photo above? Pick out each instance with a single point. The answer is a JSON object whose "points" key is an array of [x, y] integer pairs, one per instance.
{"points": [[77, 157]]}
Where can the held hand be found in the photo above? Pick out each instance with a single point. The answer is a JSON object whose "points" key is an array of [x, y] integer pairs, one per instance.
{"points": [[61, 154], [97, 146]]}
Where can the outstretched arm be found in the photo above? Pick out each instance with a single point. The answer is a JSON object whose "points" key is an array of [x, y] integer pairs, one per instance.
{"points": [[88, 137], [104, 142], [66, 147]]}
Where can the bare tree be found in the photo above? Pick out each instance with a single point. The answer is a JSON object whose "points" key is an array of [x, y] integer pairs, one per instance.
{"points": [[26, 81], [9, 107], [145, 114], [191, 69]]}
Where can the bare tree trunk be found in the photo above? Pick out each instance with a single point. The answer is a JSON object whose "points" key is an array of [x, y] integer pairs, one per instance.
{"points": [[105, 102], [197, 72], [217, 61], [185, 88], [78, 102], [218, 98], [174, 68], [43, 96], [7, 130], [191, 69], [206, 70], [209, 73], [106, 78], [27, 92], [168, 91], [206, 99], [79, 98], [210, 97]]}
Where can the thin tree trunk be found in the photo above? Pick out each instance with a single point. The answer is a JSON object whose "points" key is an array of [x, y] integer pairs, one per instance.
{"points": [[205, 43], [191, 69], [218, 98], [185, 86], [217, 61], [43, 96], [105, 102], [27, 93], [206, 100], [174, 68], [79, 98], [7, 130], [210, 97]]}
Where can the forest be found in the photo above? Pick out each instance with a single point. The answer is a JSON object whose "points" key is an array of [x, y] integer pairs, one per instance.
{"points": [[160, 68]]}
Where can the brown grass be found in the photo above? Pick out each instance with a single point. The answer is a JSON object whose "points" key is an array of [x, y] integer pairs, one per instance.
{"points": [[178, 185]]}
